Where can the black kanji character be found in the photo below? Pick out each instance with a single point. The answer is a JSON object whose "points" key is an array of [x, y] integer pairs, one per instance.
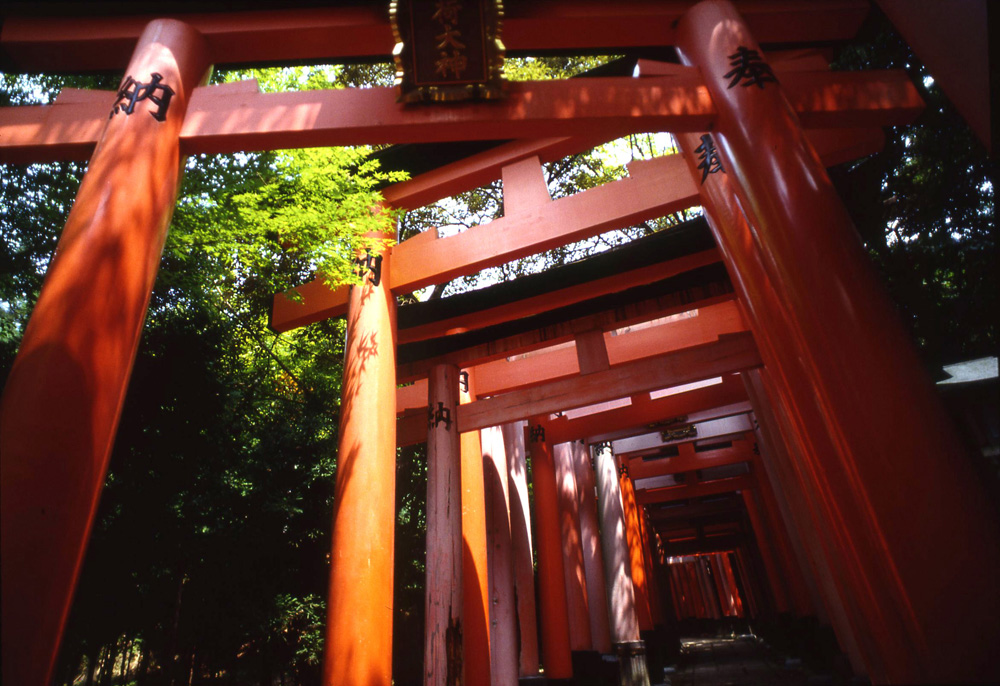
{"points": [[132, 92], [708, 156], [750, 69]]}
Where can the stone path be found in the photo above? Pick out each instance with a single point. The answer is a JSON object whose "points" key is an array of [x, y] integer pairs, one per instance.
{"points": [[742, 661]]}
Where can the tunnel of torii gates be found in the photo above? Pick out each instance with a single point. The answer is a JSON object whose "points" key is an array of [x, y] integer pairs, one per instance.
{"points": [[739, 391]]}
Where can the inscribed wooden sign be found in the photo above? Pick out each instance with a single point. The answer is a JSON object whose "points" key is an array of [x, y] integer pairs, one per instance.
{"points": [[447, 50]]}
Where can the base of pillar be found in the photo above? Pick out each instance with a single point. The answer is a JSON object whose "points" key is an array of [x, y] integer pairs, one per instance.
{"points": [[632, 669], [590, 668], [533, 680], [655, 660]]}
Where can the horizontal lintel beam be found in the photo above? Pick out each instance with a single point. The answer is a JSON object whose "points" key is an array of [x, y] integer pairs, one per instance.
{"points": [[220, 120], [316, 301], [695, 490], [505, 375], [730, 353], [686, 461], [653, 188], [51, 43], [642, 414]]}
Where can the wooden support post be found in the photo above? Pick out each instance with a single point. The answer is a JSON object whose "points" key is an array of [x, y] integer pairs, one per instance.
{"points": [[764, 538], [708, 587], [858, 360], [653, 584], [574, 572], [731, 583], [359, 609], [556, 658], [590, 540], [800, 596], [64, 394], [750, 584], [633, 535], [623, 621], [475, 571], [767, 316], [503, 610], [719, 585], [781, 447], [520, 533], [443, 593]]}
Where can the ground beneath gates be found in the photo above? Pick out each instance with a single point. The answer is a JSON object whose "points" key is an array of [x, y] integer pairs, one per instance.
{"points": [[744, 660]]}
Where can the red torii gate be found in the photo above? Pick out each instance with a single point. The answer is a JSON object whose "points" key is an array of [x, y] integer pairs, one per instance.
{"points": [[801, 280]]}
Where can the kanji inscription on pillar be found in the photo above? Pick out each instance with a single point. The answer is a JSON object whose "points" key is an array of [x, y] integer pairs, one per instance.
{"points": [[132, 92], [447, 50], [708, 157], [371, 265], [749, 69], [437, 415]]}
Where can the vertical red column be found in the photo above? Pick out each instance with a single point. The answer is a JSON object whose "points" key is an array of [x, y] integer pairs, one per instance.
{"points": [[725, 599], [64, 394], [520, 531], [764, 538], [556, 657], [622, 618], [577, 603], [443, 592], [652, 581], [475, 570], [860, 362], [731, 584], [503, 611], [798, 592], [359, 605], [633, 535], [590, 542]]}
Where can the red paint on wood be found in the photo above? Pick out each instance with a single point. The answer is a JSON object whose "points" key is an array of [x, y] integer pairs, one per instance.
{"points": [[359, 606], [63, 397]]}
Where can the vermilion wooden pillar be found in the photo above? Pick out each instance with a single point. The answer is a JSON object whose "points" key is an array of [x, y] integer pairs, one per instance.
{"points": [[785, 456], [590, 543], [779, 413], [359, 605], [798, 591], [623, 621], [765, 540], [475, 572], [652, 581], [891, 442], [443, 593], [556, 657], [64, 394], [503, 610], [574, 572], [633, 535], [719, 584], [520, 532]]}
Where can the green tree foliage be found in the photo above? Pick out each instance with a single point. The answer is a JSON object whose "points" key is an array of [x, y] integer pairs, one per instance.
{"points": [[925, 207], [210, 550]]}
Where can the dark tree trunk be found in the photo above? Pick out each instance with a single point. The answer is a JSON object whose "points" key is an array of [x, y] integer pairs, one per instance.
{"points": [[108, 666], [142, 671], [91, 666]]}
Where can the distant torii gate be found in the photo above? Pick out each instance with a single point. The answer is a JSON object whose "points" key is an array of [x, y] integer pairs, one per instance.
{"points": [[882, 512]]}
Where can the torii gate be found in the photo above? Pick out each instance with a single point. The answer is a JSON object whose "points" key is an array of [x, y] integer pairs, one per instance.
{"points": [[848, 466]]}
